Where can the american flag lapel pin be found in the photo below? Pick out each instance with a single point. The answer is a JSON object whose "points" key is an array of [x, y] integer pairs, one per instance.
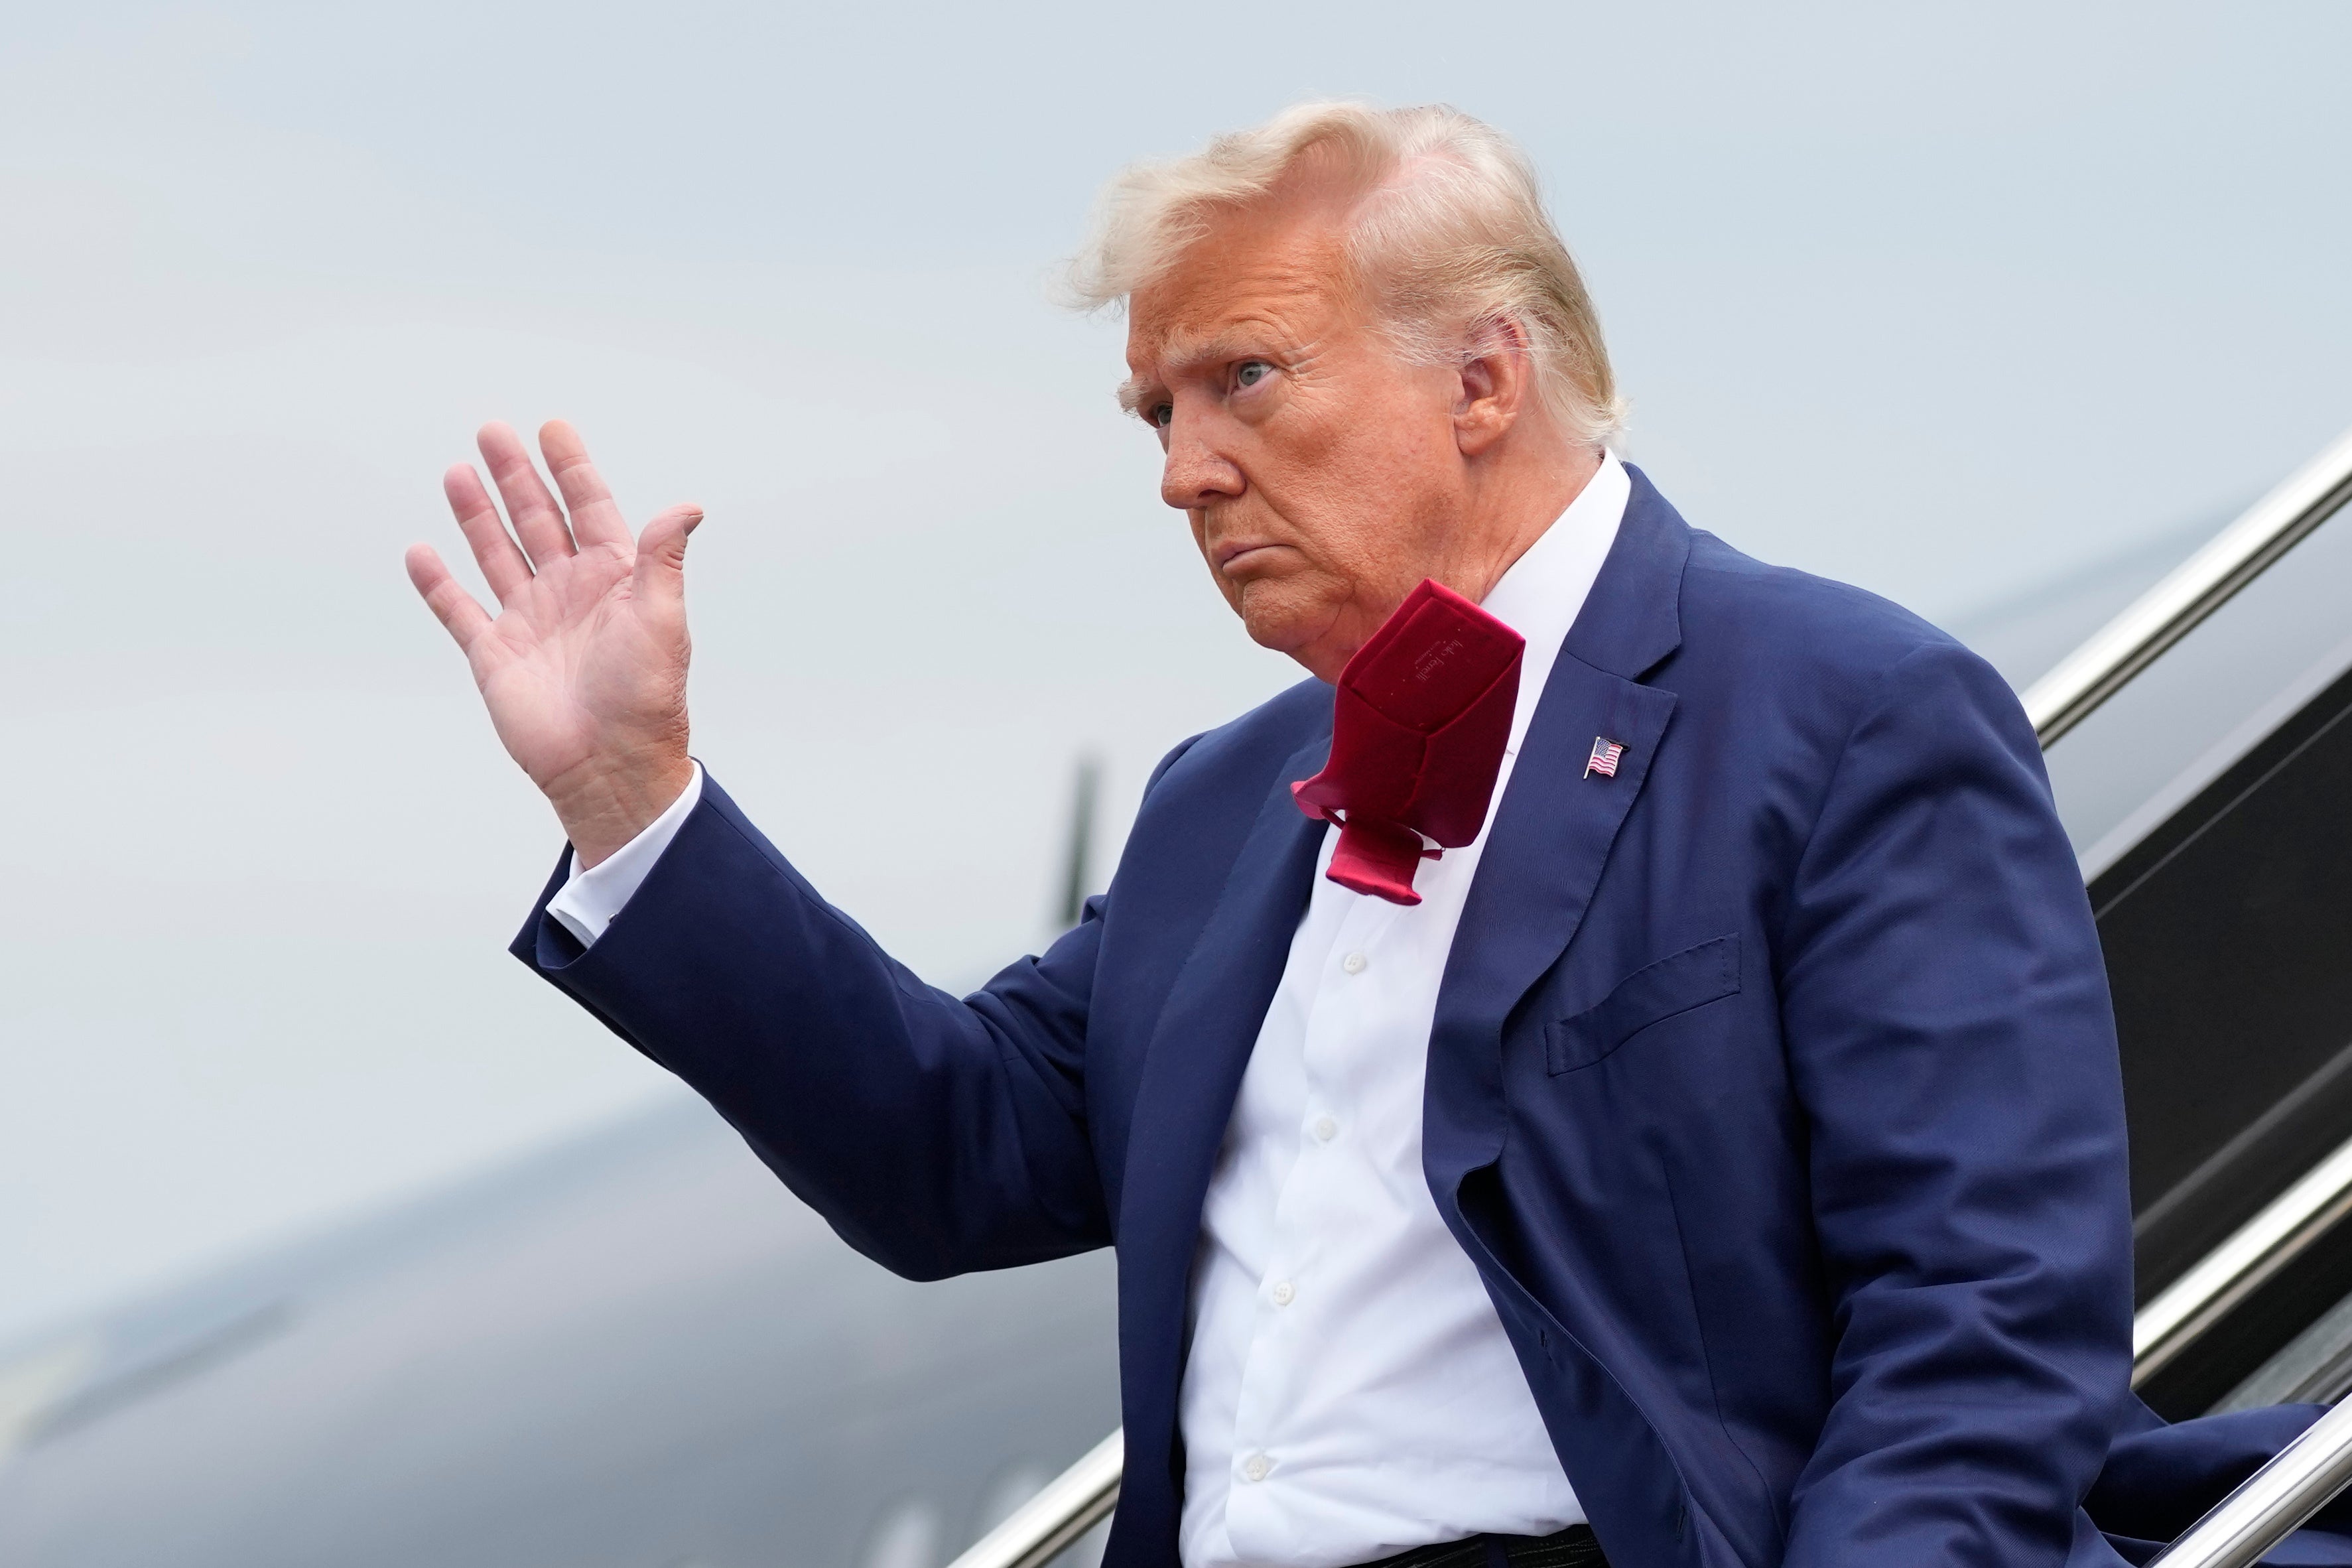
{"points": [[1606, 754]]}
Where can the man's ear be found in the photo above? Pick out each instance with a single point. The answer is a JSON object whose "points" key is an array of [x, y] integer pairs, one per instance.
{"points": [[1497, 380]]}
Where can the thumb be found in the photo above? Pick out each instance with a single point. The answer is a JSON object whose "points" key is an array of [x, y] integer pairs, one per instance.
{"points": [[660, 575]]}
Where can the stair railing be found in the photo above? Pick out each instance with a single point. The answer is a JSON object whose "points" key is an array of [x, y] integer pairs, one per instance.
{"points": [[2211, 578]]}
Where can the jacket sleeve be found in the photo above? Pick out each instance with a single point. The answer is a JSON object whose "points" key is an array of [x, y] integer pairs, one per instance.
{"points": [[1949, 1034], [937, 1134]]}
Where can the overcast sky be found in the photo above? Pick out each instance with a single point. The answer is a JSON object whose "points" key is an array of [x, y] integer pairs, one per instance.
{"points": [[1944, 303]]}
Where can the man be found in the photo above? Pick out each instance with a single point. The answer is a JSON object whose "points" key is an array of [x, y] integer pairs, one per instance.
{"points": [[1719, 1158]]}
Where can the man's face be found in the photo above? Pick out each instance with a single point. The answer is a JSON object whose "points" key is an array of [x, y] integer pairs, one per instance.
{"points": [[1319, 472]]}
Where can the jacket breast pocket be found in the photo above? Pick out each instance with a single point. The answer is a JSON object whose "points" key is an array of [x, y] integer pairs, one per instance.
{"points": [[1688, 979]]}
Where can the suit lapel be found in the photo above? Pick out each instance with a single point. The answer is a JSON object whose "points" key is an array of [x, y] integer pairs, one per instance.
{"points": [[1191, 1073], [1553, 830]]}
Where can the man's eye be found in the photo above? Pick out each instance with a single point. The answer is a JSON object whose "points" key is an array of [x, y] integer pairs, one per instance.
{"points": [[1250, 372], [1161, 415]]}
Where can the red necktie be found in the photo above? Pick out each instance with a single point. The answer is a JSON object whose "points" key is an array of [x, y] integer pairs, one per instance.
{"points": [[1418, 727]]}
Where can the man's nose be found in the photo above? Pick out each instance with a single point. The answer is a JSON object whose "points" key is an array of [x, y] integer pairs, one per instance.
{"points": [[1197, 471]]}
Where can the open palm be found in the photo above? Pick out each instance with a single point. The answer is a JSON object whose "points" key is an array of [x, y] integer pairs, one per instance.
{"points": [[583, 669]]}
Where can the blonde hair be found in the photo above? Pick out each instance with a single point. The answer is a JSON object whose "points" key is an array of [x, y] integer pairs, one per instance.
{"points": [[1447, 234]]}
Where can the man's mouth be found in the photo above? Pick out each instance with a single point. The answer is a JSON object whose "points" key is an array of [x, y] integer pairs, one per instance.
{"points": [[1232, 555]]}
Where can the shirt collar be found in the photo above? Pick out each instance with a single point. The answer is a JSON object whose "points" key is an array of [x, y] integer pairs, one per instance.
{"points": [[1545, 588]]}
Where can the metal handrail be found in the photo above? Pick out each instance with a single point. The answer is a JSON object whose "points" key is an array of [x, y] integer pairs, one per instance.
{"points": [[2200, 585], [2316, 1465], [2273, 1501], [2256, 1251], [1071, 1504]]}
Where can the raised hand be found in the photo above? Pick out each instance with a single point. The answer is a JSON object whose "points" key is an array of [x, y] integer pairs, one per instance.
{"points": [[583, 670]]}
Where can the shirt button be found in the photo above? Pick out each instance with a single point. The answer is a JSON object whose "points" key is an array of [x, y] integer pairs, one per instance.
{"points": [[1354, 964], [1326, 1130], [1257, 1465], [1285, 1293]]}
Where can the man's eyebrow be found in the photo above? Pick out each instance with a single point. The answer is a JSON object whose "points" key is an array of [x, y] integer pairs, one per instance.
{"points": [[1180, 354]]}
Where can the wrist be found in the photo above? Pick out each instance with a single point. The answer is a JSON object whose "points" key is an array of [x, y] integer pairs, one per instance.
{"points": [[603, 812]]}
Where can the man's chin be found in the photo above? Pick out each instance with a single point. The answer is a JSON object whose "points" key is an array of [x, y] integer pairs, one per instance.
{"points": [[1298, 625]]}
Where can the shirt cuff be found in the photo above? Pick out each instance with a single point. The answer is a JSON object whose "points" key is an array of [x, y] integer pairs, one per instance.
{"points": [[587, 903]]}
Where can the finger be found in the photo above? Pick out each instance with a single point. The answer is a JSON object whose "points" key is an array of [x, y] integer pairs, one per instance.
{"points": [[537, 522], [594, 519], [447, 597], [503, 566], [660, 575]]}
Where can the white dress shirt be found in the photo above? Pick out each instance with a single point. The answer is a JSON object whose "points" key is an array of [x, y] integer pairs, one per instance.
{"points": [[1350, 1391]]}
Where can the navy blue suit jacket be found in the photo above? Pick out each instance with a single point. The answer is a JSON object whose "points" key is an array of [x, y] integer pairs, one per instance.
{"points": [[1773, 1087]]}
